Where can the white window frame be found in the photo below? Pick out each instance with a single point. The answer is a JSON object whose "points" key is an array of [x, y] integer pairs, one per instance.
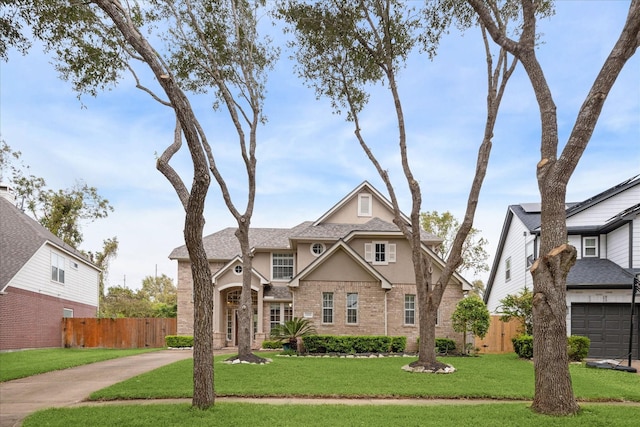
{"points": [[279, 313], [67, 312], [586, 247], [507, 269], [327, 309], [313, 247], [389, 252], [274, 265], [352, 308], [237, 270], [410, 309], [365, 204], [57, 268]]}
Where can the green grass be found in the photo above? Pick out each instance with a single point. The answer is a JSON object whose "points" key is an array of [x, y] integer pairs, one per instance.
{"points": [[488, 376], [20, 364], [256, 415]]}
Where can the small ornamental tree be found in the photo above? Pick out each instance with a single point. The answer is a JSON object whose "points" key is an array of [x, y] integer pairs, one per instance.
{"points": [[518, 306], [471, 315]]}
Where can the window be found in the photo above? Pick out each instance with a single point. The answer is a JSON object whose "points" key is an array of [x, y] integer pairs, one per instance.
{"points": [[67, 312], [364, 204], [327, 307], [317, 249], [279, 313], [380, 253], [352, 308], [507, 269], [282, 266], [589, 246], [237, 269], [57, 268], [409, 309]]}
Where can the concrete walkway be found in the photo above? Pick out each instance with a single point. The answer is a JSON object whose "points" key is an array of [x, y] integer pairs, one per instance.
{"points": [[70, 387], [19, 398]]}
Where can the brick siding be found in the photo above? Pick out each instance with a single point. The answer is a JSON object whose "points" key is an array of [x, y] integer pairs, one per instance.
{"points": [[34, 320]]}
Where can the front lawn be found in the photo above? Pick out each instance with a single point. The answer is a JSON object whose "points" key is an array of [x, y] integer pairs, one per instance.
{"points": [[258, 415], [20, 364], [488, 376]]}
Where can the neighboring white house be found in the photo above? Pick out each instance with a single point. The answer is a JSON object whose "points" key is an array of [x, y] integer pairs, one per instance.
{"points": [[42, 280], [605, 229]]}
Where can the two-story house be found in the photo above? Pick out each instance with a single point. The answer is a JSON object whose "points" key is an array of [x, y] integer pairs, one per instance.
{"points": [[42, 280], [605, 229], [349, 272]]}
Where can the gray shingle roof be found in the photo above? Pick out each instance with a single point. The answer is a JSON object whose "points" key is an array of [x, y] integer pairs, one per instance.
{"points": [[278, 293], [223, 245], [598, 273], [20, 238]]}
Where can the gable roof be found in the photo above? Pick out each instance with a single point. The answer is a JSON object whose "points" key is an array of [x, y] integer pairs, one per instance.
{"points": [[341, 245], [238, 260], [21, 237], [617, 189]]}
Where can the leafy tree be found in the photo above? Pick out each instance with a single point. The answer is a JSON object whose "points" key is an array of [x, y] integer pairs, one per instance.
{"points": [[553, 389], [471, 315], [102, 260], [445, 226], [345, 48], [162, 294], [121, 301], [478, 288], [518, 306], [62, 211], [209, 46]]}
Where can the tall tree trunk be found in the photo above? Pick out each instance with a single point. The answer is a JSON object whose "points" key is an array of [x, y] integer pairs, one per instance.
{"points": [[245, 317], [554, 392]]}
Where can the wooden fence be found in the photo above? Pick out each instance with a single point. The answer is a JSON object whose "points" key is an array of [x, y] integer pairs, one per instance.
{"points": [[498, 339], [116, 333]]}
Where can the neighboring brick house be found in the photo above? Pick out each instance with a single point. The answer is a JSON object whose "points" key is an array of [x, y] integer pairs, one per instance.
{"points": [[350, 272], [42, 280], [605, 229]]}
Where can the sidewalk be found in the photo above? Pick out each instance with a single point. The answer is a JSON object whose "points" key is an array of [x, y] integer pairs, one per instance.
{"points": [[19, 398]]}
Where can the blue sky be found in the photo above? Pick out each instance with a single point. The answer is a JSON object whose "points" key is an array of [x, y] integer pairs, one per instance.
{"points": [[308, 158]]}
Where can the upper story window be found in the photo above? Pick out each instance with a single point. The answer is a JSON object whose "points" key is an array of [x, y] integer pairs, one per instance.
{"points": [[589, 247], [237, 269], [380, 253], [364, 204], [282, 266], [507, 269], [317, 249], [57, 268]]}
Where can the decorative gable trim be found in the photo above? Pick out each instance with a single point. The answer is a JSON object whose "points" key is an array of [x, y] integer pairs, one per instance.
{"points": [[295, 282], [365, 187], [229, 266]]}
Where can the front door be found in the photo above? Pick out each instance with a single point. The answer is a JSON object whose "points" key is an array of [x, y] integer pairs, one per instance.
{"points": [[232, 313]]}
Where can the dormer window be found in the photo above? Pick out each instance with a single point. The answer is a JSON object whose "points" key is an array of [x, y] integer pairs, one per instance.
{"points": [[364, 204], [380, 253], [589, 247]]}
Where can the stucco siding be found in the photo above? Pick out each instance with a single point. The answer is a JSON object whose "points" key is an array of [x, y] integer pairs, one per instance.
{"points": [[348, 214]]}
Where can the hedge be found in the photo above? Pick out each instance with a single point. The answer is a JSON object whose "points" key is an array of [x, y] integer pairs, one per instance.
{"points": [[443, 345], [577, 347], [353, 344], [271, 345], [177, 341]]}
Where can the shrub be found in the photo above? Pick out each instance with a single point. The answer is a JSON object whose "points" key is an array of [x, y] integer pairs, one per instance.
{"points": [[578, 347], [445, 345], [523, 346], [354, 344], [177, 341], [271, 345]]}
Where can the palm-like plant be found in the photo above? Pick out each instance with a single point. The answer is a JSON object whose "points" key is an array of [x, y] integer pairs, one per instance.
{"points": [[293, 329]]}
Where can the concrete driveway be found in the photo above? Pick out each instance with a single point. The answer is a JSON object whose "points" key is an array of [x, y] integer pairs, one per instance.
{"points": [[19, 398]]}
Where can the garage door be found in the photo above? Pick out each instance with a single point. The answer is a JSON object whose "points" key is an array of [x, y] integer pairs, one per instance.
{"points": [[607, 326]]}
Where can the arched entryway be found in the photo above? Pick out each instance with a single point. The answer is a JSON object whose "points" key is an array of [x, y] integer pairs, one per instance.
{"points": [[231, 311]]}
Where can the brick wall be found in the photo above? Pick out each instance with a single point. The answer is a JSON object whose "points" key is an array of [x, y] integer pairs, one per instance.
{"points": [[34, 320], [185, 296]]}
